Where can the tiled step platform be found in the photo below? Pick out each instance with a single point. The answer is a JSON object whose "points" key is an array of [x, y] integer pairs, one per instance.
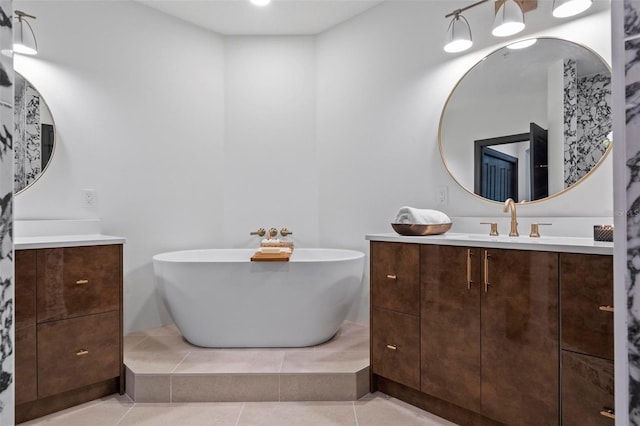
{"points": [[162, 367]]}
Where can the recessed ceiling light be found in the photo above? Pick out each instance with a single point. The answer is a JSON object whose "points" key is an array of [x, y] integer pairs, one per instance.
{"points": [[260, 2]]}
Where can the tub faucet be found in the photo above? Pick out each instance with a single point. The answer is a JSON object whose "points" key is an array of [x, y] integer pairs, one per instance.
{"points": [[509, 204]]}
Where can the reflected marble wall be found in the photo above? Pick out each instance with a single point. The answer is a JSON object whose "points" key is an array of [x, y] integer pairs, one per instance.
{"points": [[6, 218]]}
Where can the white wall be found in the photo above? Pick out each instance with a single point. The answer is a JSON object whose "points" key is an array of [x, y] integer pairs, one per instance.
{"points": [[138, 102], [192, 140]]}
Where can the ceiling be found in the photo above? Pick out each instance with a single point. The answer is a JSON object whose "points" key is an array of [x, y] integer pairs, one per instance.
{"points": [[281, 17]]}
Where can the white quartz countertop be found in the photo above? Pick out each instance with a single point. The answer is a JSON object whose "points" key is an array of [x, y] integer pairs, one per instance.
{"points": [[53, 241], [37, 234], [555, 244]]}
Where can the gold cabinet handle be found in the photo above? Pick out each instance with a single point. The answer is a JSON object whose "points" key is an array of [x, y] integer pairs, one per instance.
{"points": [[606, 308], [608, 413], [81, 282], [82, 352], [392, 347], [392, 277], [469, 280], [486, 271]]}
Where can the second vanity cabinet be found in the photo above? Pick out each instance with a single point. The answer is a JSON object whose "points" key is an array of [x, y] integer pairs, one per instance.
{"points": [[68, 327], [489, 338]]}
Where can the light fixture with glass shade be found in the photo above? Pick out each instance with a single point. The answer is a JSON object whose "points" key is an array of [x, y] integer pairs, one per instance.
{"points": [[566, 8], [24, 40], [509, 19]]}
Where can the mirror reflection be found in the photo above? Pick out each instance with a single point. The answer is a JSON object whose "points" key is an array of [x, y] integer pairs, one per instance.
{"points": [[34, 134], [529, 123]]}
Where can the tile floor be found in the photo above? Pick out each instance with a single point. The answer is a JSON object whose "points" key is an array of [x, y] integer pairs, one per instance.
{"points": [[160, 358], [372, 410]]}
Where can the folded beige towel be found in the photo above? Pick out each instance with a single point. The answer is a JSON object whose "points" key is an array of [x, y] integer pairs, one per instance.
{"points": [[411, 215]]}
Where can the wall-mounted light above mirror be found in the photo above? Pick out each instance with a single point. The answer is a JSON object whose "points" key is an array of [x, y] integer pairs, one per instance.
{"points": [[34, 135], [555, 93]]}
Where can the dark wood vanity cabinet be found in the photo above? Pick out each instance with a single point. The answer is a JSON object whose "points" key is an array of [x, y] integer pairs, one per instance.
{"points": [[505, 336], [490, 331], [68, 327], [587, 339], [395, 306]]}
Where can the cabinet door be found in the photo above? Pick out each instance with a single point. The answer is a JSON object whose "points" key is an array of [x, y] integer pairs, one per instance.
{"points": [[587, 303], [395, 346], [450, 324], [25, 280], [520, 337], [77, 352], [77, 281], [26, 366], [395, 276], [587, 390]]}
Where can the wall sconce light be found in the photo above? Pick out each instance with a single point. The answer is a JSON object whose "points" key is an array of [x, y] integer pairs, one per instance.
{"points": [[509, 19], [24, 40]]}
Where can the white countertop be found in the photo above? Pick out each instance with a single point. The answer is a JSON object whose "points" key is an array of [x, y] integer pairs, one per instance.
{"points": [[555, 244], [53, 241], [37, 234]]}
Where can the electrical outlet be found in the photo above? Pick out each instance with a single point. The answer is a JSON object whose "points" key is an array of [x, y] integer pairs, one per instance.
{"points": [[89, 198], [442, 196]]}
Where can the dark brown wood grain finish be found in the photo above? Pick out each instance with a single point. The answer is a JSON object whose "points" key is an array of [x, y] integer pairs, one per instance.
{"points": [[520, 377], [26, 381], [587, 285], [77, 281], [587, 389], [395, 276], [395, 346], [62, 363], [25, 285], [450, 324]]}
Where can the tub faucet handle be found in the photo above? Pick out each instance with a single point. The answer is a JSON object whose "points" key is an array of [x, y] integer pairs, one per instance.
{"points": [[272, 233], [284, 232], [260, 232]]}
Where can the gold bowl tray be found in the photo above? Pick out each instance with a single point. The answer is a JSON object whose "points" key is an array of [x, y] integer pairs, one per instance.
{"points": [[415, 229]]}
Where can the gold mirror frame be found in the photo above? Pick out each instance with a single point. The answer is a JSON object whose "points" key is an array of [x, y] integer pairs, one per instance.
{"points": [[453, 90], [17, 135]]}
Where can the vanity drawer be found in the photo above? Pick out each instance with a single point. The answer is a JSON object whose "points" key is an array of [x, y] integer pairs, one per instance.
{"points": [[587, 390], [77, 352], [395, 347], [76, 281], [395, 276], [586, 283]]}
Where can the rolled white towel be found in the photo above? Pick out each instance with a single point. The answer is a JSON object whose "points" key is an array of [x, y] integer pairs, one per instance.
{"points": [[411, 215]]}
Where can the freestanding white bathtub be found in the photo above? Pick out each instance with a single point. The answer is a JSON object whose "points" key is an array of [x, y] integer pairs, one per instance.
{"points": [[220, 298]]}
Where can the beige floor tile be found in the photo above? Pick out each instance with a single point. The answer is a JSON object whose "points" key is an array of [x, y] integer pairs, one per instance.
{"points": [[380, 410], [143, 362], [349, 328], [297, 414], [225, 388], [189, 414], [130, 342], [318, 387], [167, 330], [102, 412], [325, 362], [351, 342], [213, 362], [174, 343], [150, 388]]}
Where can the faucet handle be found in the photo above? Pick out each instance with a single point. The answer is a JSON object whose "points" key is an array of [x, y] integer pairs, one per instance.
{"points": [[272, 232], [284, 232], [535, 232], [260, 232], [494, 228]]}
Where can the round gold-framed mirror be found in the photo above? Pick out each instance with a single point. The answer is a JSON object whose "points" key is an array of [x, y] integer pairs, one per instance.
{"points": [[529, 123], [33, 136]]}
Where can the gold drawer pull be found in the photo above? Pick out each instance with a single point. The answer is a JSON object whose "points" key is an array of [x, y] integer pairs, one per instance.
{"points": [[392, 347], [82, 352], [80, 282], [392, 277], [606, 308], [608, 413]]}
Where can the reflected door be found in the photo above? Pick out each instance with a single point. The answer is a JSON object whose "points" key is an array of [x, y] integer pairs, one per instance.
{"points": [[498, 175]]}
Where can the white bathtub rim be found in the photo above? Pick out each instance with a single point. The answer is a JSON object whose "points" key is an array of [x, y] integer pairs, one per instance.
{"points": [[194, 256]]}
